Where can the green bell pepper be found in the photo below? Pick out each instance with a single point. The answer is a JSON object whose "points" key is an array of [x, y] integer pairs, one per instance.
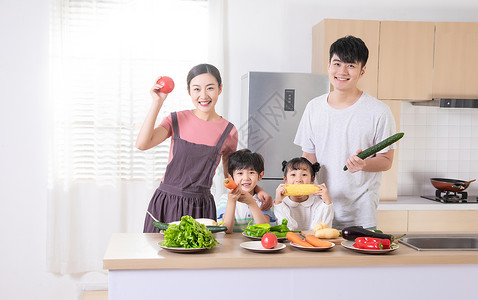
{"points": [[280, 234], [281, 228], [257, 230]]}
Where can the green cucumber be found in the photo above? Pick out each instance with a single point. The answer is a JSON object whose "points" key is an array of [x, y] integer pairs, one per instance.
{"points": [[374, 149], [160, 225], [213, 229]]}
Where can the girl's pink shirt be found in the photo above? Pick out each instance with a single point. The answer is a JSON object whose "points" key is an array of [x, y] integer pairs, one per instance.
{"points": [[195, 130]]}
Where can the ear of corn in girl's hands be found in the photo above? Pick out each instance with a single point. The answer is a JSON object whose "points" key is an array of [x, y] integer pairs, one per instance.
{"points": [[300, 189], [322, 231]]}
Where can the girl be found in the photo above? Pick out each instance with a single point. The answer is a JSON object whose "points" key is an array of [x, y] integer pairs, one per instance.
{"points": [[302, 212], [200, 137]]}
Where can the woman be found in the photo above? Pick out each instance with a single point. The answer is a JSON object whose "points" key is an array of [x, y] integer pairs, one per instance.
{"points": [[200, 138]]}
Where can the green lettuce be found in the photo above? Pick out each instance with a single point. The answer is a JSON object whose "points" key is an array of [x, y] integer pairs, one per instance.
{"points": [[188, 234]]}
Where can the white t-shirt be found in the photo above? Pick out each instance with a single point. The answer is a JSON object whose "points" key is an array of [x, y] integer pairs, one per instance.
{"points": [[334, 135], [304, 215], [242, 215]]}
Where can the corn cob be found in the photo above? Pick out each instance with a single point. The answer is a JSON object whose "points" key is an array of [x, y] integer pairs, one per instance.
{"points": [[300, 189]]}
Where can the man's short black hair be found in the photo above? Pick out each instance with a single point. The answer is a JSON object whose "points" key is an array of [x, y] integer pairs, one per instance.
{"points": [[245, 159], [350, 49]]}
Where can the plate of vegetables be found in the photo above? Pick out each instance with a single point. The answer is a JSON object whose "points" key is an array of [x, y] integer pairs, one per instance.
{"points": [[256, 246], [368, 241], [187, 237], [313, 248], [210, 224], [256, 232], [181, 250], [373, 247], [311, 243], [258, 238]]}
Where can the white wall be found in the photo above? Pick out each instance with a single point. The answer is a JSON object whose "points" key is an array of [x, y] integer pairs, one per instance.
{"points": [[24, 37], [440, 143], [23, 91], [263, 35]]}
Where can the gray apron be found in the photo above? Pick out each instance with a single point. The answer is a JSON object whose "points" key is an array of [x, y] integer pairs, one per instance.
{"points": [[186, 186]]}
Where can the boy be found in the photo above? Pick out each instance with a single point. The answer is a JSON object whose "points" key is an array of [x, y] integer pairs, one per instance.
{"points": [[337, 126], [241, 205]]}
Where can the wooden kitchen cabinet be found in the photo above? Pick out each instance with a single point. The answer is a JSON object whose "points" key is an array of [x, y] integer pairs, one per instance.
{"points": [[415, 61], [329, 30], [456, 60], [405, 62], [418, 221], [443, 220], [400, 64], [393, 220]]}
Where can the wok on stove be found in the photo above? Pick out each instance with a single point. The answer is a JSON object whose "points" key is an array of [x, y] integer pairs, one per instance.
{"points": [[450, 185]]}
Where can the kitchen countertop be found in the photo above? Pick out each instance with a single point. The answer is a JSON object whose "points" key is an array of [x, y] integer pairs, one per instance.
{"points": [[418, 203], [139, 251]]}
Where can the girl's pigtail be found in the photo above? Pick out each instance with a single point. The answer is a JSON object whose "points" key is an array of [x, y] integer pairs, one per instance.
{"points": [[316, 167], [284, 164]]}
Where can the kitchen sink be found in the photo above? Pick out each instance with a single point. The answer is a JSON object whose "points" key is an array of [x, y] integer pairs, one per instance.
{"points": [[440, 242]]}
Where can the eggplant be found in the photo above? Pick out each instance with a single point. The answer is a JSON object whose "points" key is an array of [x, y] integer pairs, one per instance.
{"points": [[352, 232]]}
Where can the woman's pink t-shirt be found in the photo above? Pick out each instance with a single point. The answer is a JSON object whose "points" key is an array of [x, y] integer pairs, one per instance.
{"points": [[195, 130]]}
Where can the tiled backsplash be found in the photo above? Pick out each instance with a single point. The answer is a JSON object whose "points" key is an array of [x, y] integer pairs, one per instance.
{"points": [[438, 142]]}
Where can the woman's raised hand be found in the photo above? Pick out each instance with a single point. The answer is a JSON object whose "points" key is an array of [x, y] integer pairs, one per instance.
{"points": [[156, 93]]}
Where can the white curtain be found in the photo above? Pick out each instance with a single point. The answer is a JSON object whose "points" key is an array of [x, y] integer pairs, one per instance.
{"points": [[105, 56], [217, 11]]}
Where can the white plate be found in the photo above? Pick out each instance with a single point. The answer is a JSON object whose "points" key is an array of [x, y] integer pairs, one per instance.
{"points": [[349, 245], [181, 250], [310, 248], [256, 246], [255, 238]]}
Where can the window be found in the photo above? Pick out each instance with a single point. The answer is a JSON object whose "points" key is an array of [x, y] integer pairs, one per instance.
{"points": [[106, 55]]}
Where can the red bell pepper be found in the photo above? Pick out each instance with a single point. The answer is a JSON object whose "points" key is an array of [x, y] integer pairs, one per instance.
{"points": [[372, 243]]}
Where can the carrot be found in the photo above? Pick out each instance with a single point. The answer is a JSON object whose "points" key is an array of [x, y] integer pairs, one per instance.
{"points": [[316, 242], [296, 239], [229, 183]]}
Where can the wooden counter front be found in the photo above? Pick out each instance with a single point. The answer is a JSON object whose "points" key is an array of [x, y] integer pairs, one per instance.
{"points": [[138, 251], [139, 269]]}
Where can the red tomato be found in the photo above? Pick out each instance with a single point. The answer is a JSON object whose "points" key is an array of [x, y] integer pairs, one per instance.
{"points": [[167, 83], [269, 240]]}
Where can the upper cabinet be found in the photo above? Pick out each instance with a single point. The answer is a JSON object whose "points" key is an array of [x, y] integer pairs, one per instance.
{"points": [[456, 60], [329, 30], [408, 60], [405, 63]]}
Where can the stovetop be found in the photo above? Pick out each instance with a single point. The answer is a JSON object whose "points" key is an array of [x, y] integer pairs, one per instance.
{"points": [[469, 199], [452, 197]]}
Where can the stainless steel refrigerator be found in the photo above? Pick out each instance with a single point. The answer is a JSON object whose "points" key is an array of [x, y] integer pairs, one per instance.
{"points": [[275, 103]]}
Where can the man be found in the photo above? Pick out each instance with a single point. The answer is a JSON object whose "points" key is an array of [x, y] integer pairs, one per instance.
{"points": [[337, 126]]}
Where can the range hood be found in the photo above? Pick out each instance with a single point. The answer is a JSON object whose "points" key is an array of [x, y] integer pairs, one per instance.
{"points": [[449, 103]]}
